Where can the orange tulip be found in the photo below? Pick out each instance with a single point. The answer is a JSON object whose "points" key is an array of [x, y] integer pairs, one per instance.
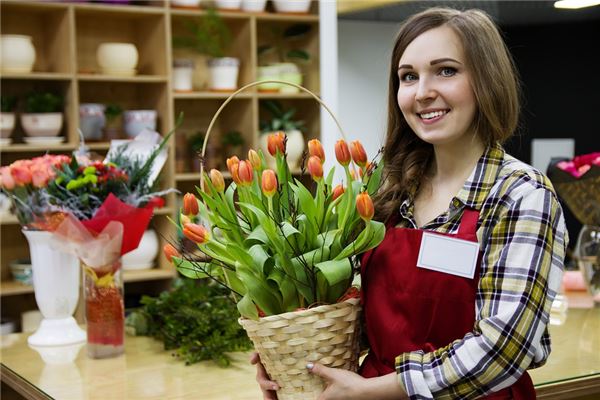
{"points": [[364, 206], [342, 153], [254, 159], [170, 252], [315, 168], [196, 233], [269, 182], [245, 173], [359, 155], [276, 142], [190, 204], [338, 191], [231, 162], [217, 180], [315, 148]]}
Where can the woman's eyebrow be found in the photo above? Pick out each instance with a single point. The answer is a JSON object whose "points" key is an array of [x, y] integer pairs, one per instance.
{"points": [[446, 59]]}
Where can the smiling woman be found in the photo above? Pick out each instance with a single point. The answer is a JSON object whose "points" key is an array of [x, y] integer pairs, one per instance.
{"points": [[475, 240]]}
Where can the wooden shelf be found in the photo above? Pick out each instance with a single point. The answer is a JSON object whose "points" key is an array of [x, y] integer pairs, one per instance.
{"points": [[118, 10], [209, 95], [11, 288], [26, 148], [8, 219], [116, 78], [148, 274], [301, 95], [288, 17], [47, 76]]}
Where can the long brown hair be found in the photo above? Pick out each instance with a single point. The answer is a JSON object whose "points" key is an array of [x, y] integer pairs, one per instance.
{"points": [[495, 83]]}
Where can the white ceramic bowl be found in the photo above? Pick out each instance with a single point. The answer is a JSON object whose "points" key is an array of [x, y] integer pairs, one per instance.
{"points": [[7, 124], [21, 271], [42, 124], [117, 58]]}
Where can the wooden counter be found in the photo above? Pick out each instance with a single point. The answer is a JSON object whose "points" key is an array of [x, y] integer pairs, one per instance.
{"points": [[148, 372]]}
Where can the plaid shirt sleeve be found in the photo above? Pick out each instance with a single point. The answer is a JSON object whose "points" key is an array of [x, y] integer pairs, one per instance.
{"points": [[523, 238]]}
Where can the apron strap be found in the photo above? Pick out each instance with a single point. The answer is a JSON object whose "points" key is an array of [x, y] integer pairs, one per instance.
{"points": [[468, 221]]}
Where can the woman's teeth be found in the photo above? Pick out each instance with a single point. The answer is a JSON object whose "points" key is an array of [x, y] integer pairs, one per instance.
{"points": [[433, 114]]}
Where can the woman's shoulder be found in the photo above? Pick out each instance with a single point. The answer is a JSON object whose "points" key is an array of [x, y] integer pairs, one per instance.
{"points": [[517, 179]]}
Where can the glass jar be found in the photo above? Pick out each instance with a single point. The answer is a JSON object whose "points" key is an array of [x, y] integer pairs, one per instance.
{"points": [[587, 250]]}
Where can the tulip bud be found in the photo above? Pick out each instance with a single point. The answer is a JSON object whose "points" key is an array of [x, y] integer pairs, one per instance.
{"points": [[245, 173], [217, 180], [359, 155], [170, 252], [338, 191], [342, 153], [276, 142], [315, 168], [254, 159], [364, 206], [190, 204], [269, 182], [184, 219], [315, 148], [231, 162], [196, 233]]}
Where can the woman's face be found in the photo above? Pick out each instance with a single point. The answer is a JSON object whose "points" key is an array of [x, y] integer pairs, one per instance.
{"points": [[435, 93]]}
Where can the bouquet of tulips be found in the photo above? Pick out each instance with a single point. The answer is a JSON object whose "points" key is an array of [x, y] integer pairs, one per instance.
{"points": [[277, 245]]}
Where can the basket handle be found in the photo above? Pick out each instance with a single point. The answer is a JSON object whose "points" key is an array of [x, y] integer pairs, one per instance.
{"points": [[231, 97]]}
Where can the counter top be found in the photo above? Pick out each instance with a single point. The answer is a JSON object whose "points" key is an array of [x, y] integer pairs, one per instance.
{"points": [[146, 371]]}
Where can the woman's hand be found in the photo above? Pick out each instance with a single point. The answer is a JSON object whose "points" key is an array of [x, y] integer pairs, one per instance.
{"points": [[341, 384], [267, 386]]}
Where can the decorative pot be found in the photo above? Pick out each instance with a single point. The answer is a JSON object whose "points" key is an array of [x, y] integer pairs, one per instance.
{"points": [[7, 124], [268, 73], [289, 72], [143, 257], [56, 287], [223, 73], [17, 54], [587, 250], [42, 124], [104, 310], [186, 3], [136, 121], [91, 120], [117, 58], [183, 72], [230, 5], [294, 149], [292, 6], [254, 5]]}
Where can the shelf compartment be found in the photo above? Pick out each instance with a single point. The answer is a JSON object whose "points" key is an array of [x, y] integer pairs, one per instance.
{"points": [[145, 29], [50, 29], [47, 76]]}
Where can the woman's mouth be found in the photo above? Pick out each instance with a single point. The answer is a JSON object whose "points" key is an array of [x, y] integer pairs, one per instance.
{"points": [[430, 117]]}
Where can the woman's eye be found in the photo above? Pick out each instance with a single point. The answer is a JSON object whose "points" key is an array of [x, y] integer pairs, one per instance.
{"points": [[408, 77], [448, 71]]}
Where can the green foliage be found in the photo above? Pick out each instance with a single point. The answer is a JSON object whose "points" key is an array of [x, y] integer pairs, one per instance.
{"points": [[209, 35], [233, 138], [196, 142], [282, 42], [197, 319], [112, 112], [43, 102], [281, 119], [8, 103]]}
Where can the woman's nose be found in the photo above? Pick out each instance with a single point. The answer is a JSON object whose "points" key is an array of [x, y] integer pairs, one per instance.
{"points": [[425, 90]]}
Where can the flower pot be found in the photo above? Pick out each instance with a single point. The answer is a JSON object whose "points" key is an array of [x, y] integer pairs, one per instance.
{"points": [[117, 58], [223, 73], [185, 3], [230, 5], [17, 54], [7, 124], [56, 287], [21, 271], [183, 72], [254, 5], [286, 342], [143, 257], [269, 72], [292, 6], [136, 121], [91, 120], [42, 124], [289, 72]]}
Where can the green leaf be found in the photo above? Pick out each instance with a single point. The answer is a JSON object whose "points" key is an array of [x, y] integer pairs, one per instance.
{"points": [[196, 269], [247, 308], [259, 291], [261, 258], [335, 271]]}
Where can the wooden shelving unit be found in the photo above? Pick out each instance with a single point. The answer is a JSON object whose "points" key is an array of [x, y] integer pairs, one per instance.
{"points": [[66, 36]]}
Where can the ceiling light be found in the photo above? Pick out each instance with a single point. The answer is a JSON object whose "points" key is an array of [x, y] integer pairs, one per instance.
{"points": [[573, 4]]}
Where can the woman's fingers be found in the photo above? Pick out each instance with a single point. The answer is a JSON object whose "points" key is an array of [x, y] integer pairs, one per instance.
{"points": [[267, 386]]}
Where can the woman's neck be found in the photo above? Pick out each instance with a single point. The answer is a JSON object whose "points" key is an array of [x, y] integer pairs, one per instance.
{"points": [[454, 162]]}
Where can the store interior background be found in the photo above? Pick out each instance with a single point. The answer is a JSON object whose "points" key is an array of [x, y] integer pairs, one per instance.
{"points": [[556, 52]]}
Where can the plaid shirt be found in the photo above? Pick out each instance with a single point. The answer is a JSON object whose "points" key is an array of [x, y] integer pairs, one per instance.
{"points": [[522, 234]]}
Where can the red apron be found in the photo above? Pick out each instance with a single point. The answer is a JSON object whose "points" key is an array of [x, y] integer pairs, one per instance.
{"points": [[409, 308]]}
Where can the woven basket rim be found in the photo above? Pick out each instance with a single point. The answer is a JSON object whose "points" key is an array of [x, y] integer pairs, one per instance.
{"points": [[352, 301]]}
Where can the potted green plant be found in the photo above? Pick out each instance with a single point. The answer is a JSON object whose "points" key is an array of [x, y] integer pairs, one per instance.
{"points": [[282, 119], [233, 142], [281, 55], [113, 114], [211, 36], [43, 117], [7, 117]]}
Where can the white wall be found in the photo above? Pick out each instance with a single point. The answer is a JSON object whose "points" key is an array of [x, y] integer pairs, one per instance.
{"points": [[364, 51]]}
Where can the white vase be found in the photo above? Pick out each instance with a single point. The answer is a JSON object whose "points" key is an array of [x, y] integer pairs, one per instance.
{"points": [[143, 257], [294, 148], [254, 5], [292, 6], [7, 124], [56, 287], [92, 120], [268, 73], [223, 73], [183, 72], [17, 54], [289, 72], [117, 58]]}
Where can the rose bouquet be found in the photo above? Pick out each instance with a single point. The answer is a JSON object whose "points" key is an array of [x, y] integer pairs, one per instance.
{"points": [[283, 250]]}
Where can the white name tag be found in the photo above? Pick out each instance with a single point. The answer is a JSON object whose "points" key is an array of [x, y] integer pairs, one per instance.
{"points": [[448, 254]]}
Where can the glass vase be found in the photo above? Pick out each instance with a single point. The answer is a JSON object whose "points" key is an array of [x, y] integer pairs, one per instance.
{"points": [[104, 310], [587, 250]]}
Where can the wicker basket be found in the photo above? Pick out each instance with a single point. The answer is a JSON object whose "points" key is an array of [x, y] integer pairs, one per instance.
{"points": [[326, 334], [582, 198], [286, 342]]}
